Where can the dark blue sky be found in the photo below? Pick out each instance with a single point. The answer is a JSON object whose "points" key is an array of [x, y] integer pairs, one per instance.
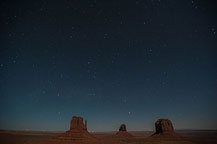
{"points": [[111, 62]]}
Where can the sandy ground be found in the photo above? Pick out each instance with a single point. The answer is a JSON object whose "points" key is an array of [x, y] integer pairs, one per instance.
{"points": [[189, 137]]}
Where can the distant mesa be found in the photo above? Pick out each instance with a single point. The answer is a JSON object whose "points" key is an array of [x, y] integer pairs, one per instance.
{"points": [[77, 134], [123, 128], [77, 124], [164, 129], [164, 126], [123, 131]]}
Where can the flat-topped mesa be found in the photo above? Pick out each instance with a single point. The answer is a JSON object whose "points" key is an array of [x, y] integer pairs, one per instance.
{"points": [[164, 130], [78, 124], [123, 131], [77, 134], [164, 126]]}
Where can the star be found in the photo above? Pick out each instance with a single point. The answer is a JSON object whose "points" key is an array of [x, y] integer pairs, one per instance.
{"points": [[43, 92], [105, 36], [213, 30]]}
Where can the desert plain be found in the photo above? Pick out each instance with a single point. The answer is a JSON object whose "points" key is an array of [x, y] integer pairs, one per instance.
{"points": [[142, 137], [78, 134]]}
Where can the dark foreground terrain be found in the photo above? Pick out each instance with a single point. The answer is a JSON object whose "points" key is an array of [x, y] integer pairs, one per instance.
{"points": [[189, 137]]}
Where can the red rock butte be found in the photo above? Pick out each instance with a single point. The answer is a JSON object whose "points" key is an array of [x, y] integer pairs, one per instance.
{"points": [[164, 129], [77, 124], [123, 132], [164, 126], [77, 134]]}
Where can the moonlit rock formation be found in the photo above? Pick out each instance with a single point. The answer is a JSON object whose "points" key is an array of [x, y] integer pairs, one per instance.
{"points": [[164, 126], [123, 131], [123, 128], [164, 129], [77, 134], [77, 124]]}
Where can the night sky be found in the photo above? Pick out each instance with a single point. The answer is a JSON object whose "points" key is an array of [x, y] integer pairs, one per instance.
{"points": [[111, 62]]}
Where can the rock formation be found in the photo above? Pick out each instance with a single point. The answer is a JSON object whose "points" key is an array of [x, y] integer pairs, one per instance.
{"points": [[164, 129], [77, 134], [123, 128], [164, 126], [123, 131], [77, 124]]}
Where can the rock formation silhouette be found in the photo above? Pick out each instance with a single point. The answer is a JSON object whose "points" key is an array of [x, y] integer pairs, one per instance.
{"points": [[77, 134], [77, 124], [164, 126], [164, 129], [123, 128], [123, 131]]}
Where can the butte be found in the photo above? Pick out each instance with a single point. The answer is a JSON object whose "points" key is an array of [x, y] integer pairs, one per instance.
{"points": [[164, 130], [77, 134], [123, 132]]}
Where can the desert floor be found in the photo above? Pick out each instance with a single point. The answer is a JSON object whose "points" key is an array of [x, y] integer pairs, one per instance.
{"points": [[189, 137]]}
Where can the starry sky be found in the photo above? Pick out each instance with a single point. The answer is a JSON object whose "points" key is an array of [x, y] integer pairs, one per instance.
{"points": [[111, 62]]}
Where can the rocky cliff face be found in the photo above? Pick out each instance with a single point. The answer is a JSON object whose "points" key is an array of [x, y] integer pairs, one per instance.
{"points": [[77, 124]]}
